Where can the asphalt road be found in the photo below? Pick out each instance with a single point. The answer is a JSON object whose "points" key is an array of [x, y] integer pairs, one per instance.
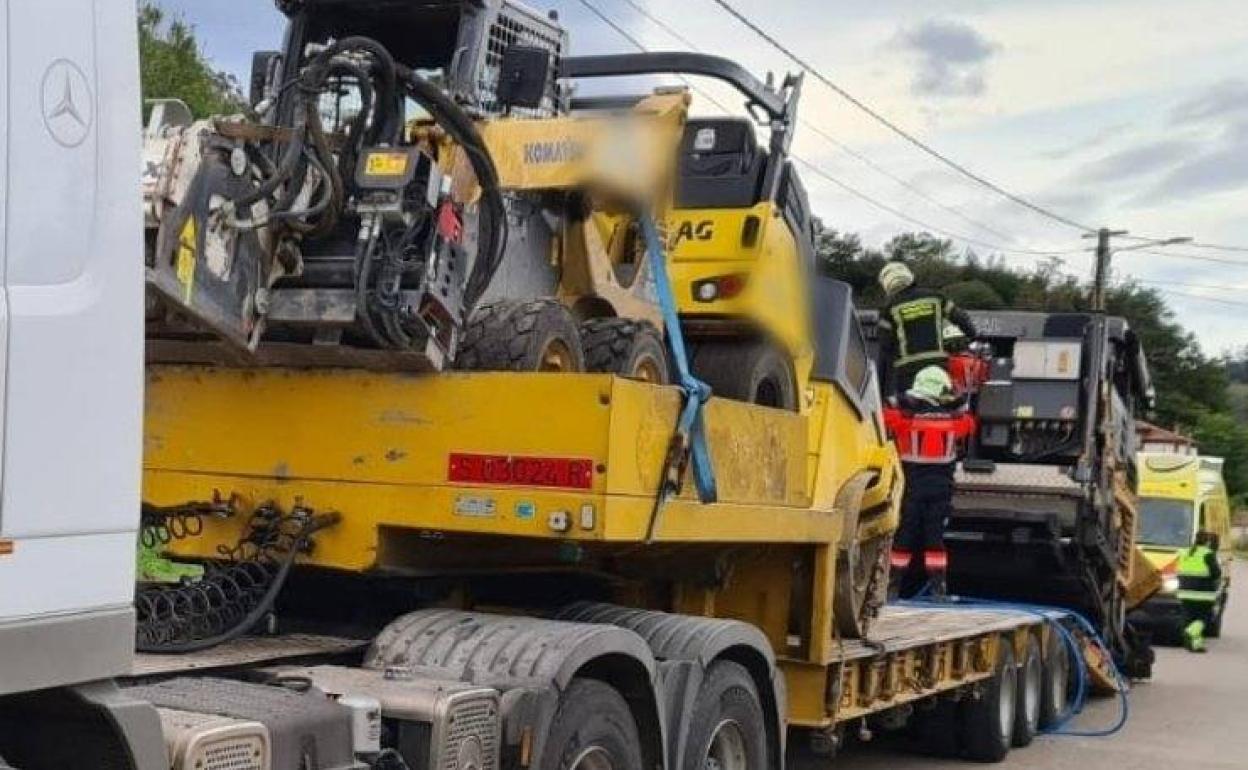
{"points": [[1193, 715]]}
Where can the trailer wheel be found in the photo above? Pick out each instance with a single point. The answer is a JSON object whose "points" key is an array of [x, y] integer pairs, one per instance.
{"points": [[986, 723], [753, 372], [532, 336], [629, 348], [934, 731], [1055, 695], [1030, 693], [593, 729], [728, 730]]}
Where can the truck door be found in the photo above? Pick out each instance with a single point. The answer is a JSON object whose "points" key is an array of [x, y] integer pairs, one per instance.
{"points": [[73, 307], [4, 187]]}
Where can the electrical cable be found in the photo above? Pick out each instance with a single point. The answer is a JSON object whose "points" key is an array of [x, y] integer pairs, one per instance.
{"points": [[822, 173], [898, 130], [1218, 300], [839, 145], [493, 226], [1195, 257], [740, 17], [1217, 247], [1182, 285], [1193, 244]]}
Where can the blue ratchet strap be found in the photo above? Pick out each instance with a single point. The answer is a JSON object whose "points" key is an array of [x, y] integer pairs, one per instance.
{"points": [[689, 442]]}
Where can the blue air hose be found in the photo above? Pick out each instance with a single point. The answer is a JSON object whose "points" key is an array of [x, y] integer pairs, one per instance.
{"points": [[1061, 728]]}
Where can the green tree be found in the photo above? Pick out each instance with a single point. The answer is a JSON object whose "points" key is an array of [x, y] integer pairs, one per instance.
{"points": [[1194, 391], [1220, 434], [975, 293], [174, 67]]}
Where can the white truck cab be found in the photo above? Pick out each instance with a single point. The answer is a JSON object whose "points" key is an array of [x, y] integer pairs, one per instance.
{"points": [[71, 340]]}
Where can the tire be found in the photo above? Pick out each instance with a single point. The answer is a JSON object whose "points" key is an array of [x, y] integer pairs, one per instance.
{"points": [[728, 728], [986, 723], [1029, 693], [593, 728], [753, 372], [934, 733], [532, 336], [632, 349], [1055, 695]]}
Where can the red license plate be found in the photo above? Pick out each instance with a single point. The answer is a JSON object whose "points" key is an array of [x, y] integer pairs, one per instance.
{"points": [[515, 471]]}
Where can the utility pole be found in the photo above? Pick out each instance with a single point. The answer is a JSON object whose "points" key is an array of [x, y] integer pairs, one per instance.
{"points": [[1100, 284], [1105, 252]]}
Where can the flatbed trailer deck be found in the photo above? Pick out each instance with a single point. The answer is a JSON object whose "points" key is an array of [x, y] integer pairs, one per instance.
{"points": [[917, 656], [752, 576]]}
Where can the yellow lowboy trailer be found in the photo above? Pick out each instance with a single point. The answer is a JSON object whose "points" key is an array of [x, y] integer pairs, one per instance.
{"points": [[464, 477]]}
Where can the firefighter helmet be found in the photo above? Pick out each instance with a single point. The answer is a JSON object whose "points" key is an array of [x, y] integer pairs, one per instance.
{"points": [[932, 384], [896, 278]]}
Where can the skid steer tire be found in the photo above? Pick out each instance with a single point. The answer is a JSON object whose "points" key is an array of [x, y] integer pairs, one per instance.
{"points": [[1055, 695], [753, 372], [530, 336], [986, 722], [632, 349], [593, 728], [1029, 695], [728, 728]]}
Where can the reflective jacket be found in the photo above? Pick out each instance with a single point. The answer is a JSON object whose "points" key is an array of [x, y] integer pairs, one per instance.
{"points": [[928, 433], [912, 327], [1199, 574]]}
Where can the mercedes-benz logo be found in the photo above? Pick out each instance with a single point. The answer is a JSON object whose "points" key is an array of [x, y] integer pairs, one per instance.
{"points": [[68, 105]]}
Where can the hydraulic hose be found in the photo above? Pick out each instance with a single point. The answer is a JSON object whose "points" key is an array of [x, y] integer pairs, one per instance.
{"points": [[1073, 649], [492, 228]]}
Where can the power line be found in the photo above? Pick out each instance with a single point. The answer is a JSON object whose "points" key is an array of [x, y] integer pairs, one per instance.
{"points": [[1170, 292], [1200, 286], [819, 172], [896, 129], [1218, 300], [1219, 247], [1195, 257], [814, 168], [1147, 241], [827, 137]]}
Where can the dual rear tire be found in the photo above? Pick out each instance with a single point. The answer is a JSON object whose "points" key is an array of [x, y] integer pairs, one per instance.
{"points": [[594, 728], [1006, 711], [986, 721]]}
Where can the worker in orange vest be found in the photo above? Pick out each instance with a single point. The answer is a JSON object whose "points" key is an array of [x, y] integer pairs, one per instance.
{"points": [[929, 427]]}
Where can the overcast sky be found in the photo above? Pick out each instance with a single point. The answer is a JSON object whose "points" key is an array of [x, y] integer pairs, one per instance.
{"points": [[1128, 113]]}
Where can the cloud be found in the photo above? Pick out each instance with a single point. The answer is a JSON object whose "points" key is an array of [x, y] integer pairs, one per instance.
{"points": [[1227, 99], [952, 58], [1225, 167], [1137, 161], [1099, 139]]}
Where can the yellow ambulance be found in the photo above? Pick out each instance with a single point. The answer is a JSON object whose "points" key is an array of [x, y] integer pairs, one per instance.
{"points": [[1179, 496]]}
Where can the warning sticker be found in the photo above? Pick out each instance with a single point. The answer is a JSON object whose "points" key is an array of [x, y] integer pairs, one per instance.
{"points": [[184, 263], [386, 164]]}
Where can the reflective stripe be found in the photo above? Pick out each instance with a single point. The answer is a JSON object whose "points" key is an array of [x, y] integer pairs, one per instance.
{"points": [[937, 559], [1205, 597], [925, 310], [931, 355]]}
